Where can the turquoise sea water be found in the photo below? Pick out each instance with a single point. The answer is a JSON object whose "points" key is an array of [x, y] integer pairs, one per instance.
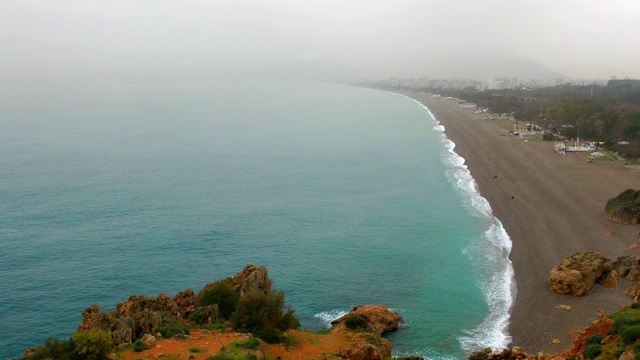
{"points": [[347, 195]]}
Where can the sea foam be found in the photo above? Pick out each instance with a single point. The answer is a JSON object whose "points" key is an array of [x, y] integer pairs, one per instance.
{"points": [[490, 253]]}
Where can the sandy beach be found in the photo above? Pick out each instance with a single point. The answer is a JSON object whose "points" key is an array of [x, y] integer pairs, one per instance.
{"points": [[551, 206]]}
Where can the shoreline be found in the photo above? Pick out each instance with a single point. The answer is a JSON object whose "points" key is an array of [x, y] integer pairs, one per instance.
{"points": [[493, 331], [551, 207]]}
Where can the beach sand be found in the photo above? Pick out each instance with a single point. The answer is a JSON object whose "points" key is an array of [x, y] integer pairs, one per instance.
{"points": [[551, 206]]}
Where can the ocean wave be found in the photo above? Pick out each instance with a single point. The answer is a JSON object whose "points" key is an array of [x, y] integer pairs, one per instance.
{"points": [[493, 248], [490, 252], [326, 317]]}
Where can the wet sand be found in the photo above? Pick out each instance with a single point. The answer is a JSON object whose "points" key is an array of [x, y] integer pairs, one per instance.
{"points": [[551, 206]]}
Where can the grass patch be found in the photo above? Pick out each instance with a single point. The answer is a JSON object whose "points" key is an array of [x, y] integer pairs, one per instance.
{"points": [[196, 350], [251, 344]]}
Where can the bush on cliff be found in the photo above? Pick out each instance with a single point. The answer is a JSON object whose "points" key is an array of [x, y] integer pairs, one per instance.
{"points": [[92, 344], [621, 321], [265, 315], [220, 293], [83, 345], [594, 339], [54, 349], [592, 351], [174, 330], [631, 334]]}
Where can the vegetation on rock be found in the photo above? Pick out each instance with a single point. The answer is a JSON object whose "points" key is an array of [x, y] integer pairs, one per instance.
{"points": [[264, 315], [222, 294], [246, 302], [89, 345], [624, 208]]}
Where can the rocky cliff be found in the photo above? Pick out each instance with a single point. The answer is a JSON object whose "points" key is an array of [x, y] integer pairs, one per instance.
{"points": [[141, 320]]}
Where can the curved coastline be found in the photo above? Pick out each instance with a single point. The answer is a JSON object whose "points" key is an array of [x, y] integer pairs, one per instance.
{"points": [[500, 287], [550, 206], [495, 247]]}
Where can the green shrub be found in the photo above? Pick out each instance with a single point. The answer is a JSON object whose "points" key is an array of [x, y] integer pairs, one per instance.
{"points": [[592, 351], [635, 305], [197, 317], [355, 322], [624, 320], [214, 326], [54, 349], [92, 344], [139, 346], [631, 334], [174, 330], [220, 293], [264, 315], [196, 350], [594, 339]]}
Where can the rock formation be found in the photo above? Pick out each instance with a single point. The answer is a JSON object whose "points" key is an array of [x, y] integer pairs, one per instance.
{"points": [[139, 317], [578, 273], [367, 343], [378, 319], [141, 314], [624, 208]]}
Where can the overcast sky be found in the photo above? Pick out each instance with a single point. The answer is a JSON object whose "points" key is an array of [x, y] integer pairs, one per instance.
{"points": [[330, 40]]}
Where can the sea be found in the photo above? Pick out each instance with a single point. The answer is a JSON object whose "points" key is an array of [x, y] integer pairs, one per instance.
{"points": [[347, 195]]}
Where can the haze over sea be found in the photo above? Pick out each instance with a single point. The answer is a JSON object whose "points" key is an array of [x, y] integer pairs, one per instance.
{"points": [[347, 195]]}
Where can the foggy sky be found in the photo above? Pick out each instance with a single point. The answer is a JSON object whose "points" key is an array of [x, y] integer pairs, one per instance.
{"points": [[317, 40]]}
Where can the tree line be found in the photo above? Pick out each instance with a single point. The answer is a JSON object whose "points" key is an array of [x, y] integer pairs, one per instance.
{"points": [[609, 114]]}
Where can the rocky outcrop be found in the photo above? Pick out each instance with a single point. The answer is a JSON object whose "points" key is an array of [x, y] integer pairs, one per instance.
{"points": [[628, 267], [624, 208], [367, 343], [251, 279], [578, 273], [140, 314], [378, 319], [367, 346], [513, 353]]}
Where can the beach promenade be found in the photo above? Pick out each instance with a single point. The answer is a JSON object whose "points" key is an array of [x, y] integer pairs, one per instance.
{"points": [[551, 206]]}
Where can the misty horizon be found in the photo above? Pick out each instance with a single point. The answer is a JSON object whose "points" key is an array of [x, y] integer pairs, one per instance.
{"points": [[79, 41]]}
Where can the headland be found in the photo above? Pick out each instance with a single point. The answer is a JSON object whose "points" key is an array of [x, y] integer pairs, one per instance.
{"points": [[551, 206]]}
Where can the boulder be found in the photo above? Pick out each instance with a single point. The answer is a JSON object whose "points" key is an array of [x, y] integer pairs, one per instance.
{"points": [[378, 318], [624, 208], [148, 341], [628, 266], [578, 273]]}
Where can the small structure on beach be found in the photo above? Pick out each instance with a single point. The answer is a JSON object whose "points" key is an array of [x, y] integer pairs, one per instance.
{"points": [[560, 148], [584, 147]]}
